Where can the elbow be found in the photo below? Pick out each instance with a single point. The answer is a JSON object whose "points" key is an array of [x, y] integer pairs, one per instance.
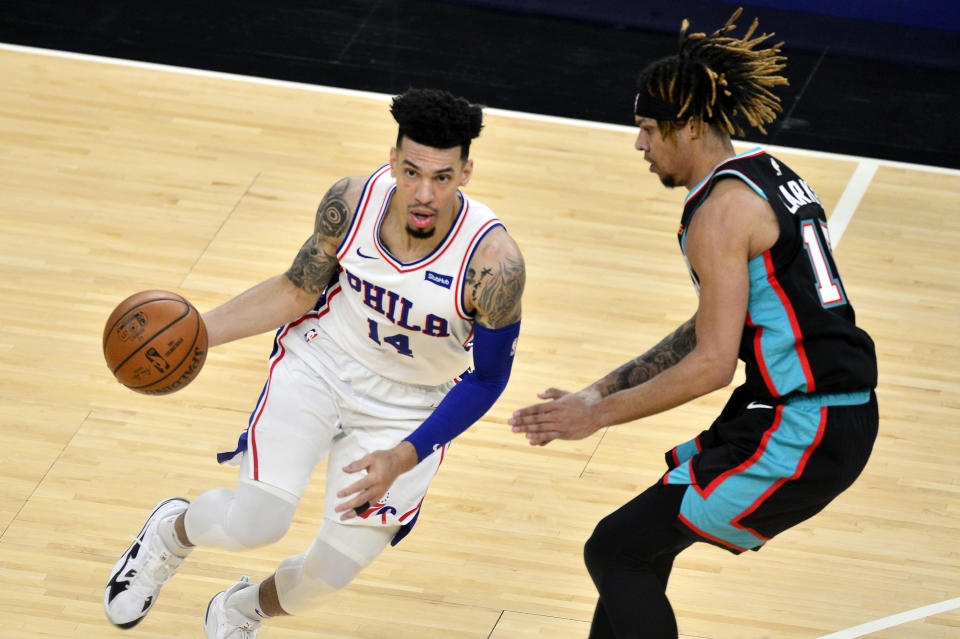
{"points": [[725, 375], [718, 372], [723, 371]]}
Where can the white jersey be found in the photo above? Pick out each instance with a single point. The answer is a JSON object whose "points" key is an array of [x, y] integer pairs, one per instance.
{"points": [[405, 321]]}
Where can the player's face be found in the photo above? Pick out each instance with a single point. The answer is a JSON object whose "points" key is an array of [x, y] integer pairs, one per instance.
{"points": [[664, 154], [427, 182]]}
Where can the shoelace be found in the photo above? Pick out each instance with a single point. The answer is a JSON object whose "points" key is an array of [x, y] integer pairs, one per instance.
{"points": [[246, 631], [153, 573]]}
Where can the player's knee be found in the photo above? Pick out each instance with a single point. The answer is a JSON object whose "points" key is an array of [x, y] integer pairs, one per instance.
{"points": [[248, 519], [261, 526], [600, 550], [257, 535]]}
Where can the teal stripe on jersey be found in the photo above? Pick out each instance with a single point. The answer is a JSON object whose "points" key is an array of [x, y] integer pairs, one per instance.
{"points": [[685, 451], [778, 345]]}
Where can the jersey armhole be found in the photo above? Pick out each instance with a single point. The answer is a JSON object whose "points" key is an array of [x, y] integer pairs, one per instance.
{"points": [[359, 210]]}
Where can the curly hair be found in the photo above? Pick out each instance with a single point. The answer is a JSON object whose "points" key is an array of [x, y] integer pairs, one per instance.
{"points": [[716, 78], [437, 118]]}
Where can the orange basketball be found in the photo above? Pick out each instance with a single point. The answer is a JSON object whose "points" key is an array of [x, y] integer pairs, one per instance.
{"points": [[155, 342]]}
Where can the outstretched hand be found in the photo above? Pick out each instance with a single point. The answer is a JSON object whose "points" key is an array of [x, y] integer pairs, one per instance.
{"points": [[565, 416], [383, 467]]}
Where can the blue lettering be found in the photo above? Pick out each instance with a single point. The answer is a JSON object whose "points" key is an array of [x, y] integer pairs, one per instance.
{"points": [[377, 297], [393, 306], [405, 315], [435, 326], [353, 281], [373, 296]]}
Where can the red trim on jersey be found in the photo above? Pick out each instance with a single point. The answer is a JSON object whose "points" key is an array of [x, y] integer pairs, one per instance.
{"points": [[703, 534], [430, 259], [281, 352], [458, 297], [801, 465], [364, 201], [794, 324], [747, 463]]}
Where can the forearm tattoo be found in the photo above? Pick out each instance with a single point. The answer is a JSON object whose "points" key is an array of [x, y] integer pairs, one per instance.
{"points": [[314, 265], [496, 291], [667, 353]]}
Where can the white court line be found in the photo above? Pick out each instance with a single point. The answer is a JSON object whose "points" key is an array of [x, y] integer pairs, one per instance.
{"points": [[895, 620], [384, 96], [851, 197], [850, 200]]}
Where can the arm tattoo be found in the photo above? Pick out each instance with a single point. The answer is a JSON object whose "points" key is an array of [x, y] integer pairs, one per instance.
{"points": [[667, 353], [314, 265], [496, 292], [333, 214]]}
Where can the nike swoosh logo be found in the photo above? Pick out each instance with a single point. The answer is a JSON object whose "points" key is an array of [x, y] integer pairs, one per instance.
{"points": [[758, 405], [369, 257]]}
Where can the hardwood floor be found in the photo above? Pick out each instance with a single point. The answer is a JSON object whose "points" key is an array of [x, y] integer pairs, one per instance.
{"points": [[121, 178]]}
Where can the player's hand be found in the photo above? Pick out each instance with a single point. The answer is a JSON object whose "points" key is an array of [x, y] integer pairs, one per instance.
{"points": [[383, 467], [565, 416]]}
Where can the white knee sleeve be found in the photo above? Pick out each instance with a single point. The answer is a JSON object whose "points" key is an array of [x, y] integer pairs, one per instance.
{"points": [[335, 557], [250, 518]]}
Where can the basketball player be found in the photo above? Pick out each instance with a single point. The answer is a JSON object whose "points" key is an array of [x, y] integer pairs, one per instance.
{"points": [[403, 279], [754, 235]]}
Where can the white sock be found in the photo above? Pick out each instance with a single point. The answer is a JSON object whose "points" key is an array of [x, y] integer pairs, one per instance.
{"points": [[167, 531], [246, 601]]}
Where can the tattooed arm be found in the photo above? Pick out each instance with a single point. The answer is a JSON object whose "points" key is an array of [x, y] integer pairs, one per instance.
{"points": [[495, 279], [284, 298], [667, 353], [700, 357]]}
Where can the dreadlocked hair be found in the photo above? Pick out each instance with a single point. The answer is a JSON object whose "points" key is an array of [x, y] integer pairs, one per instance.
{"points": [[718, 79]]}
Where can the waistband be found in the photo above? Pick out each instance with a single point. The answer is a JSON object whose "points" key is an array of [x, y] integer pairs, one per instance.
{"points": [[846, 398]]}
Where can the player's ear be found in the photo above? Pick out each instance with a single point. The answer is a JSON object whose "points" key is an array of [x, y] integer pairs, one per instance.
{"points": [[467, 172], [393, 161]]}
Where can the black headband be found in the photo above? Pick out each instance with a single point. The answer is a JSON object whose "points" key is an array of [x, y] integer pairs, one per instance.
{"points": [[648, 106]]}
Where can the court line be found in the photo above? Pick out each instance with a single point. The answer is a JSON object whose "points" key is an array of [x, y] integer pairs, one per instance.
{"points": [[895, 620], [850, 200], [493, 111]]}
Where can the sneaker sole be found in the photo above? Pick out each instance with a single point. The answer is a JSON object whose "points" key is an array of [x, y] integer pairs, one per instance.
{"points": [[117, 567]]}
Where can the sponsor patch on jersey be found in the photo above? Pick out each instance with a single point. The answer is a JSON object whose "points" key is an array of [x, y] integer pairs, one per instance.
{"points": [[440, 280]]}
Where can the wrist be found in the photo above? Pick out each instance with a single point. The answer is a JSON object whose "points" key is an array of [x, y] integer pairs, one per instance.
{"points": [[405, 455]]}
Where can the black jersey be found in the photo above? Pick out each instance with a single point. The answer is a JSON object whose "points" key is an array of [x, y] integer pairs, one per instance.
{"points": [[800, 334]]}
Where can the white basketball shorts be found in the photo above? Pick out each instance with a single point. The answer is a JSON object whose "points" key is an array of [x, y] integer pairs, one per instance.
{"points": [[318, 401]]}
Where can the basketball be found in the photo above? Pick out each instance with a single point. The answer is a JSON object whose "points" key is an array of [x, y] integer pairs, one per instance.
{"points": [[155, 342]]}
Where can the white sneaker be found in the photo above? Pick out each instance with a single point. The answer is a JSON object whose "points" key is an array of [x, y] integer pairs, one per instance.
{"points": [[147, 564], [221, 622]]}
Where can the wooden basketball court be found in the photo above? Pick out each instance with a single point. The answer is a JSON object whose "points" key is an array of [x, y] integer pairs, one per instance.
{"points": [[119, 178]]}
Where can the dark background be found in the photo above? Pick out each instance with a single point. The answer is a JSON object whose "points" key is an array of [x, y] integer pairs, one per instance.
{"points": [[878, 78]]}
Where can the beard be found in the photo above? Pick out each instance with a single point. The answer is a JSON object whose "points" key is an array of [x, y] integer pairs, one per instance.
{"points": [[420, 234], [668, 181]]}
